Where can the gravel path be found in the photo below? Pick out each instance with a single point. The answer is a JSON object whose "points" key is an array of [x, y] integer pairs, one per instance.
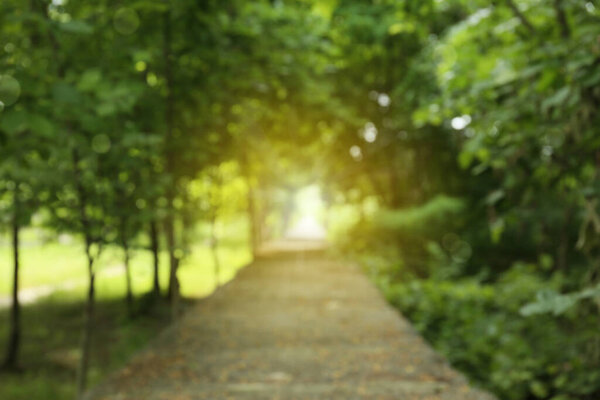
{"points": [[291, 326]]}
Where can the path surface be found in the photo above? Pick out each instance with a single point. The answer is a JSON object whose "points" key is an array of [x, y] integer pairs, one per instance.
{"points": [[291, 326]]}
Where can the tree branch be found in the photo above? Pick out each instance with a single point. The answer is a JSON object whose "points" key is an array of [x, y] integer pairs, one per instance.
{"points": [[561, 16], [511, 4]]}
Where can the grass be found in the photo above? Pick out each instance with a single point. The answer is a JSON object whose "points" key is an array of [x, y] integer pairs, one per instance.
{"points": [[52, 325], [51, 345], [49, 262]]}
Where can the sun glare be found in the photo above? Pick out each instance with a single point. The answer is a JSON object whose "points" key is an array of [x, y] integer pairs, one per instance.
{"points": [[308, 215]]}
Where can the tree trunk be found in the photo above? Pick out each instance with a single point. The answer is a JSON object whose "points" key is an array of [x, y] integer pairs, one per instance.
{"points": [[252, 219], [214, 244], [86, 339], [169, 114], [14, 337], [170, 236], [561, 16], [129, 296], [562, 250], [395, 200], [154, 246], [522, 18], [174, 287]]}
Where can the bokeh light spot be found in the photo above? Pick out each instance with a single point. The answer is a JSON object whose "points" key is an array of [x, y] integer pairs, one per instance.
{"points": [[140, 66], [356, 153], [101, 143], [10, 90], [383, 100], [370, 132], [460, 123], [126, 21]]}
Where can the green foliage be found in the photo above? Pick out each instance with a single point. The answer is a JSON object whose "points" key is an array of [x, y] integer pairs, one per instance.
{"points": [[421, 218], [51, 323], [418, 241], [508, 93], [457, 139], [549, 301], [478, 328]]}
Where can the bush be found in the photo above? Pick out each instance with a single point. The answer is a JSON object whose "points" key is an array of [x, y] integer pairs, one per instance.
{"points": [[480, 330]]}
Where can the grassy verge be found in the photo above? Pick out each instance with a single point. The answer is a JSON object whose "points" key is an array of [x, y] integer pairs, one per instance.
{"points": [[51, 345], [52, 325]]}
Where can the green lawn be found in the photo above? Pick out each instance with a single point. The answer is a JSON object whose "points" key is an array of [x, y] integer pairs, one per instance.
{"points": [[49, 262], [52, 325]]}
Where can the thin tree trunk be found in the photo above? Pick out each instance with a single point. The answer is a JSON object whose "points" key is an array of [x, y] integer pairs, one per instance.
{"points": [[395, 200], [561, 17], [169, 109], [129, 296], [126, 258], [251, 206], [14, 337], [86, 339], [173, 284], [380, 191], [154, 246], [214, 244], [562, 250], [252, 220], [520, 16]]}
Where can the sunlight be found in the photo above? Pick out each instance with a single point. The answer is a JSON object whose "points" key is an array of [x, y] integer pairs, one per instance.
{"points": [[459, 123], [308, 211], [307, 227]]}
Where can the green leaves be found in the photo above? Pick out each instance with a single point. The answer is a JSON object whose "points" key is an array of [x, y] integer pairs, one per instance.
{"points": [[41, 125], [495, 196], [90, 80], [550, 302], [422, 217], [77, 27], [497, 227], [118, 98], [66, 94], [557, 98], [20, 121], [14, 122], [149, 5]]}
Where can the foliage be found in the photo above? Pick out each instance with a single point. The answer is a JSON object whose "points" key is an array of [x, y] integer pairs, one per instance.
{"points": [[495, 104], [420, 218], [51, 322], [478, 328], [461, 135]]}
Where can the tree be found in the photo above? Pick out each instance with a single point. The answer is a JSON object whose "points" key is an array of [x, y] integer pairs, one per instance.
{"points": [[24, 132]]}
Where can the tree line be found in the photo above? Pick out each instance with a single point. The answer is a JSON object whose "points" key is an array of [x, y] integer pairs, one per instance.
{"points": [[120, 121], [470, 124]]}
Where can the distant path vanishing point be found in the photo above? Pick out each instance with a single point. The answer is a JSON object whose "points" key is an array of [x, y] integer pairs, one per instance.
{"points": [[293, 325]]}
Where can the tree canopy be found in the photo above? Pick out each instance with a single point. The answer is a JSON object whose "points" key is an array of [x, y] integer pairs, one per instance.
{"points": [[471, 125]]}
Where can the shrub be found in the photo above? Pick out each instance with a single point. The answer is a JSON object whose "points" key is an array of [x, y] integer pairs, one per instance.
{"points": [[478, 327]]}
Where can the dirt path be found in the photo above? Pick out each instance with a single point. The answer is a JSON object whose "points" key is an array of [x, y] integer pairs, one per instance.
{"points": [[290, 326]]}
